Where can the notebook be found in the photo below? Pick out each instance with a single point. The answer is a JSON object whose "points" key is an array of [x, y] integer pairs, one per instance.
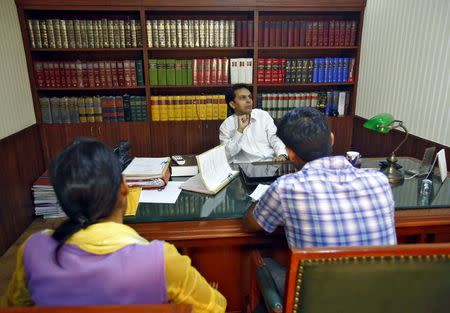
{"points": [[214, 172]]}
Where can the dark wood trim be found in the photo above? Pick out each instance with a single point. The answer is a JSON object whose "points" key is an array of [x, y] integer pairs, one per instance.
{"points": [[372, 144], [22, 163]]}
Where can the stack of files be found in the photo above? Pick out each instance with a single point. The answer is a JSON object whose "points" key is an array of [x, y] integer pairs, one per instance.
{"points": [[147, 173], [45, 202]]}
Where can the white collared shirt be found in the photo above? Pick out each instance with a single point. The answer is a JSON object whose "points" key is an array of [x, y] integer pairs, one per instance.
{"points": [[258, 142]]}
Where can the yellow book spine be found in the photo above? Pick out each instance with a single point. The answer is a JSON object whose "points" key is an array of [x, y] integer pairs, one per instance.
{"points": [[202, 108], [163, 114], [170, 108], [182, 110], [215, 107], [154, 101], [177, 108], [223, 108], [209, 108]]}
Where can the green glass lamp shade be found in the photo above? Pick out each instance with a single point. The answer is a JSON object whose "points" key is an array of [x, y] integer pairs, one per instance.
{"points": [[380, 123]]}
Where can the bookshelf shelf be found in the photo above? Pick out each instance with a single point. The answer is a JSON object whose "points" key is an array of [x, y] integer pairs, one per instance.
{"points": [[304, 85], [191, 86], [203, 49], [90, 88], [85, 49], [310, 48]]}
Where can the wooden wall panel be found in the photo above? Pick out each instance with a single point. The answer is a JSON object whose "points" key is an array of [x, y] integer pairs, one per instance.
{"points": [[22, 162], [372, 144]]}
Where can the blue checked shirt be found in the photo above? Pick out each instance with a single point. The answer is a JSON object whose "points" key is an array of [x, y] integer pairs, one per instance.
{"points": [[330, 203]]}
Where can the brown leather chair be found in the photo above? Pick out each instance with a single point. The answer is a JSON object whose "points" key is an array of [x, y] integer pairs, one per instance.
{"points": [[402, 278], [159, 308]]}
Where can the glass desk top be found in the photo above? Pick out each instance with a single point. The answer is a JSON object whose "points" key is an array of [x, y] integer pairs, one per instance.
{"points": [[233, 200]]}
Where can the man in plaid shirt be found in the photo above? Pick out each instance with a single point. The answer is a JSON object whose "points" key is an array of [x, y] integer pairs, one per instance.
{"points": [[328, 202]]}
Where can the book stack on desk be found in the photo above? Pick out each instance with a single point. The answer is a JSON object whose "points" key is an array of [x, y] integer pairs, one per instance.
{"points": [[189, 168], [147, 173], [45, 202]]}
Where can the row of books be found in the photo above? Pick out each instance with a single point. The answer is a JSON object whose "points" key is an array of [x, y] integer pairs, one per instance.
{"points": [[317, 70], [188, 108], [123, 73], [331, 103], [66, 110], [100, 33], [199, 33], [307, 33], [173, 72]]}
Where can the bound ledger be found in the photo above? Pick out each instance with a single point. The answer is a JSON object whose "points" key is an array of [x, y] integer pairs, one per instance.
{"points": [[214, 172], [147, 173]]}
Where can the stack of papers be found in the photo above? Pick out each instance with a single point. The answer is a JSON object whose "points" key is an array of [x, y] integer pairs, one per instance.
{"points": [[147, 173], [45, 202]]}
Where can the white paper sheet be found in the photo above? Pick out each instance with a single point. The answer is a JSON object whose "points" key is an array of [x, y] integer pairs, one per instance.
{"points": [[214, 167], [259, 191], [167, 195]]}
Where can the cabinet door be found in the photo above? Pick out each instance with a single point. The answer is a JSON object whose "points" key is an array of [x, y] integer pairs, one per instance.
{"points": [[139, 138], [53, 140], [342, 128]]}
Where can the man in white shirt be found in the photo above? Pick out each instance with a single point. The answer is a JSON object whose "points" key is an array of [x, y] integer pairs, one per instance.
{"points": [[249, 135]]}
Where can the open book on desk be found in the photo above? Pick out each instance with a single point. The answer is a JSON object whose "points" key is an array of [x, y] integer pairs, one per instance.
{"points": [[214, 172]]}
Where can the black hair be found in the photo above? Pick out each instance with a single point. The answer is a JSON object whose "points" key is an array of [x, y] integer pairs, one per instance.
{"points": [[86, 177], [230, 92], [306, 132]]}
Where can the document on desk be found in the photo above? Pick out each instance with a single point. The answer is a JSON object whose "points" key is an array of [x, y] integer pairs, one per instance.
{"points": [[214, 172], [259, 191], [167, 195]]}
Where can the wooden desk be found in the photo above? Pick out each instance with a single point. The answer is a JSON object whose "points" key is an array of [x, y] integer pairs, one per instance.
{"points": [[219, 248]]}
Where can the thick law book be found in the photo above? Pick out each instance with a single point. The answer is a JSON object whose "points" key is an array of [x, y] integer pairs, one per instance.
{"points": [[214, 172], [189, 168], [147, 173]]}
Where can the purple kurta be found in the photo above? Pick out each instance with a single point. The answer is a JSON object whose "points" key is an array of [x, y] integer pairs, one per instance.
{"points": [[132, 275]]}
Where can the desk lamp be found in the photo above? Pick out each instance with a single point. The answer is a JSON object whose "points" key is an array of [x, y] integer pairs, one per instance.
{"points": [[384, 123]]}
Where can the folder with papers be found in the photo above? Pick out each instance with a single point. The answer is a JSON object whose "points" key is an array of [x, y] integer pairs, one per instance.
{"points": [[214, 172]]}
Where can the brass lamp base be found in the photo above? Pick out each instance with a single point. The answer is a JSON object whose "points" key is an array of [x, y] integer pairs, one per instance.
{"points": [[394, 175]]}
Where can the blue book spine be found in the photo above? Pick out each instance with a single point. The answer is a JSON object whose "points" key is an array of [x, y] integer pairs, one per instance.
{"points": [[340, 67], [316, 71], [321, 70], [335, 70], [345, 69], [326, 77]]}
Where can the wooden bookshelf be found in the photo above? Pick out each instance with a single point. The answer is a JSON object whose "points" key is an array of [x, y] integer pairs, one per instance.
{"points": [[183, 137]]}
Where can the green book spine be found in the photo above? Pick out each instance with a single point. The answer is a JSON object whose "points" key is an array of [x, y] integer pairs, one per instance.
{"points": [[143, 109], [162, 72], [153, 72], [179, 72], [189, 72], [139, 73], [133, 107], [170, 65], [184, 72]]}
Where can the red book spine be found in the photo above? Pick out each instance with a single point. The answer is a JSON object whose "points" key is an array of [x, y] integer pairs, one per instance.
{"points": [[68, 74], [331, 33], [108, 74], [314, 33], [127, 73], [296, 34], [115, 75], [302, 39], [308, 34], [341, 33], [133, 73], [195, 71], [51, 71], [76, 74], [261, 34], [96, 73], [284, 33], [39, 74], [62, 74], [250, 34], [220, 79], [260, 71], [244, 31], [213, 75], [102, 70], [207, 71], [225, 73], [274, 70], [320, 33], [290, 30], [325, 33], [272, 31], [200, 71], [278, 34], [85, 74], [268, 71], [120, 73], [266, 34], [353, 34], [90, 71], [348, 30]]}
